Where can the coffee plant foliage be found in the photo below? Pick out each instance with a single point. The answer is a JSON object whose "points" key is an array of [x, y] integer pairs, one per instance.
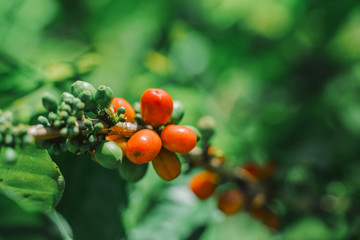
{"points": [[279, 80]]}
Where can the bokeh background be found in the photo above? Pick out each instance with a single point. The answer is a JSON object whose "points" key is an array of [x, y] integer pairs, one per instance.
{"points": [[281, 79]]}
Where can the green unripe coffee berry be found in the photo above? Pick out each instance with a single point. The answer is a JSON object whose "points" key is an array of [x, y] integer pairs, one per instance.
{"points": [[80, 105], [8, 139], [206, 126], [65, 95], [71, 121], [27, 139], [98, 127], [49, 102], [88, 99], [75, 130], [132, 172], [43, 120], [63, 115], [8, 155], [108, 154], [121, 110], [80, 86], [92, 139], [68, 101], [88, 123], [177, 113], [64, 132], [103, 96], [136, 106], [65, 107]]}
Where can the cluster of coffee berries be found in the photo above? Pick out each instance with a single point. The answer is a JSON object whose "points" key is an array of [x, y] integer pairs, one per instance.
{"points": [[157, 138], [231, 198], [78, 117], [11, 136]]}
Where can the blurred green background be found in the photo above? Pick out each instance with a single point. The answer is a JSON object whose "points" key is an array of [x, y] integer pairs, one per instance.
{"points": [[280, 77]]}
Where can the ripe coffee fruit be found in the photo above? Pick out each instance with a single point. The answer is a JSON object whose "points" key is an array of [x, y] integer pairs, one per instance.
{"points": [[143, 146], [156, 107], [108, 154], [132, 172], [204, 184], [167, 165], [121, 142], [178, 138], [231, 201], [129, 114]]}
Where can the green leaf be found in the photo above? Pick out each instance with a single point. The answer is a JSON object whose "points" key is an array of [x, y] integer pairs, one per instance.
{"points": [[34, 182], [61, 224], [232, 227], [91, 203]]}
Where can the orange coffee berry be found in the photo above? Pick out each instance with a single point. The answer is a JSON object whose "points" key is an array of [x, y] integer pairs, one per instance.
{"points": [[156, 107], [121, 142], [129, 114], [178, 138], [167, 165], [112, 137], [204, 184], [143, 146], [231, 201]]}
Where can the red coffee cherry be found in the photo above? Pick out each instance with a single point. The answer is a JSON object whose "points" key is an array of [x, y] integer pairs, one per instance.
{"points": [[204, 184], [167, 165], [129, 114], [156, 107], [178, 138], [143, 146], [231, 201]]}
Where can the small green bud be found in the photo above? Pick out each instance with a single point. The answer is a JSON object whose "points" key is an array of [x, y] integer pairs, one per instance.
{"points": [[49, 102], [71, 121], [65, 95], [80, 105], [27, 139], [103, 96], [58, 123], [80, 86], [98, 127], [43, 120], [8, 139], [88, 99], [177, 113], [92, 139], [8, 155], [130, 171], [88, 123], [75, 130], [65, 107], [64, 132], [53, 116], [108, 154], [121, 110], [64, 115], [68, 101]]}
